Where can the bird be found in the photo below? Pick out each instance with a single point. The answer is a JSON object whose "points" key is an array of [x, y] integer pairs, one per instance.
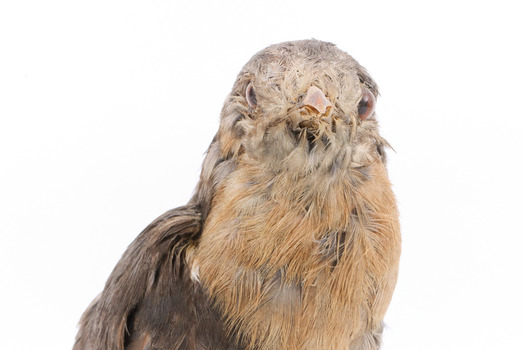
{"points": [[291, 239]]}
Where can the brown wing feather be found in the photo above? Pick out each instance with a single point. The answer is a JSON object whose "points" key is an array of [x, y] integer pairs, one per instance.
{"points": [[149, 300]]}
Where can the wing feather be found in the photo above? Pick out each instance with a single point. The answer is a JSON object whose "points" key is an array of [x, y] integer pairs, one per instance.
{"points": [[150, 265]]}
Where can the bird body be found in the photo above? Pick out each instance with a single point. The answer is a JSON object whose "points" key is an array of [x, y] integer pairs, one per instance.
{"points": [[291, 240]]}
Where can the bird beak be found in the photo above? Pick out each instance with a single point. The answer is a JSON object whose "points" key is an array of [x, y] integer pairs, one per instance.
{"points": [[316, 101]]}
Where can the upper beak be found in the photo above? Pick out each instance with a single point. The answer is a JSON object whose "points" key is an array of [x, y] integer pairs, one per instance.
{"points": [[315, 99]]}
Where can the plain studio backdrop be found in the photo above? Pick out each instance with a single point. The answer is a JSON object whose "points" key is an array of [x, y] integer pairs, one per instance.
{"points": [[107, 108]]}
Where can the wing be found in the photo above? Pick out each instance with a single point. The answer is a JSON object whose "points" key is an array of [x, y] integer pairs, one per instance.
{"points": [[149, 300]]}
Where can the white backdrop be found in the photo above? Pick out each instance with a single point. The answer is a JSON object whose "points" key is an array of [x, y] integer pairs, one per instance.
{"points": [[107, 107]]}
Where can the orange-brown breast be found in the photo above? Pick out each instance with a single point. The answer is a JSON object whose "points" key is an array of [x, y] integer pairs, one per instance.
{"points": [[301, 263]]}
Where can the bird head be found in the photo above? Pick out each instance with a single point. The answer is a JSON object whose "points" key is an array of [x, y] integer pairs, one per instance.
{"points": [[302, 105]]}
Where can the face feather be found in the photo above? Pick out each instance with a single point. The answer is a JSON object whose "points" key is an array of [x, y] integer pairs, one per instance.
{"points": [[266, 118]]}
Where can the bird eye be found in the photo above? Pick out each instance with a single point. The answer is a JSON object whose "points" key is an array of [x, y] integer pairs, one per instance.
{"points": [[366, 105], [250, 96]]}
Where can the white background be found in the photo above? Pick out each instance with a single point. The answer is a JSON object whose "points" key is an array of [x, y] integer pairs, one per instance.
{"points": [[107, 107]]}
